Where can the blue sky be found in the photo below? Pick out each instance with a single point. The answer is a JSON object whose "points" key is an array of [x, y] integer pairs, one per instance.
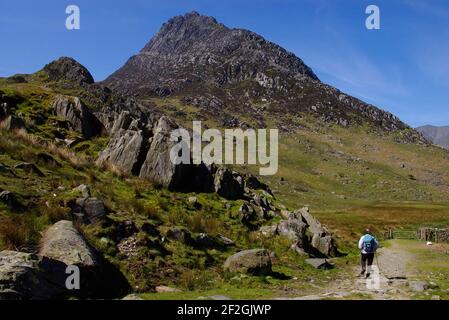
{"points": [[402, 68]]}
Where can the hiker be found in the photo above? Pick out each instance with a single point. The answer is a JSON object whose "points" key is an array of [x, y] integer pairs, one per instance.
{"points": [[368, 245]]}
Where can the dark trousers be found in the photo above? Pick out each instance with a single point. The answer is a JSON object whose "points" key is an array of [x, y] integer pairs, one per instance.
{"points": [[367, 260]]}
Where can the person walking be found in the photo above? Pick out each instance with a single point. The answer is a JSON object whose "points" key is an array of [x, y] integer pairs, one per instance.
{"points": [[368, 245]]}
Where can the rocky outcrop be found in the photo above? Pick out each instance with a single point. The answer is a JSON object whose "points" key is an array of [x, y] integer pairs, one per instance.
{"points": [[157, 166], [143, 149], [68, 70], [25, 276], [321, 237], [79, 117], [255, 261], [127, 149], [308, 235], [229, 184]]}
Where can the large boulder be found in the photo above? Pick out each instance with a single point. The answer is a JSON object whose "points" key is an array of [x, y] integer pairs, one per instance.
{"points": [[229, 184], [98, 278], [25, 276], [64, 243], [255, 261], [80, 118]]}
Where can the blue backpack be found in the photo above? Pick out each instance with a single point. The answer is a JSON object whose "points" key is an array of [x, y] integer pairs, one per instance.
{"points": [[369, 244]]}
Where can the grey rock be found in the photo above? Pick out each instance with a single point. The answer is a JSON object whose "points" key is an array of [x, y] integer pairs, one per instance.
{"points": [[68, 70], [293, 229], [419, 286], [322, 240], [127, 150], [268, 231], [80, 118], [64, 243], [193, 200], [133, 296], [204, 240], [255, 261], [25, 276], [159, 168], [224, 240], [229, 184], [180, 234], [89, 210], [321, 264], [306, 232]]}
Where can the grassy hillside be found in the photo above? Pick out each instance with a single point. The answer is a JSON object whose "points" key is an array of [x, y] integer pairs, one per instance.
{"points": [[351, 177]]}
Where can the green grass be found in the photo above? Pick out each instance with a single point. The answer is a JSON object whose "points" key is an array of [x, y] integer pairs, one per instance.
{"points": [[430, 264]]}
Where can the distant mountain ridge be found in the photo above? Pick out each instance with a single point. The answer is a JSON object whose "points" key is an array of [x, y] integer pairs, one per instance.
{"points": [[438, 135]]}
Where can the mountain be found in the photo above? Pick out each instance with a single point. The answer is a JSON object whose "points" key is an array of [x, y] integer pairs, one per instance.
{"points": [[239, 78], [438, 135], [86, 179]]}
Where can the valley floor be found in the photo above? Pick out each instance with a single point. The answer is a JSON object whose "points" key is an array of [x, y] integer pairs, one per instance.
{"points": [[407, 270]]}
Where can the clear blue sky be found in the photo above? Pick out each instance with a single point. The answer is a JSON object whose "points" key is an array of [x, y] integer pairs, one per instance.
{"points": [[403, 68]]}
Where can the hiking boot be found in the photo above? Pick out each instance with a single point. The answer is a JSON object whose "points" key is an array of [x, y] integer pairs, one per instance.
{"points": [[367, 275]]}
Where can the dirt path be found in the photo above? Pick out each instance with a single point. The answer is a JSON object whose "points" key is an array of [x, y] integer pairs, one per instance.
{"points": [[393, 263]]}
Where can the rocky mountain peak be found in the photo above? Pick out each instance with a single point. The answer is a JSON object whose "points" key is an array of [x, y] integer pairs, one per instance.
{"points": [[181, 29], [194, 49], [69, 70]]}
